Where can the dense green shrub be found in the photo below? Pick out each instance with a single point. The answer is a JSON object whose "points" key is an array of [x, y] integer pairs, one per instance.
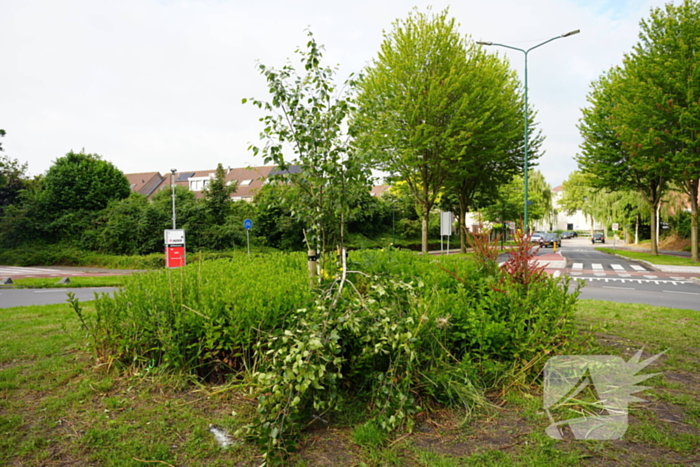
{"points": [[203, 318], [409, 331], [392, 330]]}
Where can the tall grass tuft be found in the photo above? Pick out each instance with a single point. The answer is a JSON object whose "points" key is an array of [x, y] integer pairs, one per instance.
{"points": [[202, 319]]}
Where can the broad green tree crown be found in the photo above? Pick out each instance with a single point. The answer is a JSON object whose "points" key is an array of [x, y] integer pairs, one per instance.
{"points": [[413, 116], [641, 129], [80, 181]]}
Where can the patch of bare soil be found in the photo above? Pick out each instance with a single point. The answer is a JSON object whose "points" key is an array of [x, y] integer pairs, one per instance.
{"points": [[329, 447], [674, 242], [443, 434]]}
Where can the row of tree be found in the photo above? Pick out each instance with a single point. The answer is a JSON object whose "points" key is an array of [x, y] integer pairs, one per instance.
{"points": [[641, 129], [85, 202]]}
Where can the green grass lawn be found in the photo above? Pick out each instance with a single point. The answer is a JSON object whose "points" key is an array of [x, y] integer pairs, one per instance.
{"points": [[60, 406], [658, 259]]}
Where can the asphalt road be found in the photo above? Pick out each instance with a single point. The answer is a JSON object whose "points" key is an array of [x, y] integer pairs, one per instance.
{"points": [[615, 279], [24, 297]]}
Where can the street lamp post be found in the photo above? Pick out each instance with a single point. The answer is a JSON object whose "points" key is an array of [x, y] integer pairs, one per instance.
{"points": [[527, 110], [172, 188]]}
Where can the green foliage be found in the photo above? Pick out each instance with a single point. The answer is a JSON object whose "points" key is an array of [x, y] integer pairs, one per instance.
{"points": [[577, 191], [370, 216], [640, 131], [204, 318], [13, 178], [413, 116], [132, 226], [493, 153], [309, 113], [80, 181], [217, 197], [281, 229], [62, 205], [666, 58], [25, 221], [680, 223], [390, 331], [510, 201], [396, 342]]}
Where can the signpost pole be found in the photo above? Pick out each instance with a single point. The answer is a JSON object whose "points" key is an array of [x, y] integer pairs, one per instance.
{"points": [[248, 224]]}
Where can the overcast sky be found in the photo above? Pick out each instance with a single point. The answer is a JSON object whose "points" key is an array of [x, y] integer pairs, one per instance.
{"points": [[153, 85]]}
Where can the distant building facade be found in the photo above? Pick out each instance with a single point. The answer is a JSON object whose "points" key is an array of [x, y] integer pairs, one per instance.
{"points": [[248, 180]]}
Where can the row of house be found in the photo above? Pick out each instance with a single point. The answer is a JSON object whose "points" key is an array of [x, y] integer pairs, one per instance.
{"points": [[248, 181]]}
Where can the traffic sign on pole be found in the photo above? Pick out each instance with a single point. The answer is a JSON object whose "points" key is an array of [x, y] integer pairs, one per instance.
{"points": [[248, 224]]}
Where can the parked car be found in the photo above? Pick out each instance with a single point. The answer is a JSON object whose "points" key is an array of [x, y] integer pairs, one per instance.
{"points": [[598, 237], [569, 234], [550, 239], [535, 237]]}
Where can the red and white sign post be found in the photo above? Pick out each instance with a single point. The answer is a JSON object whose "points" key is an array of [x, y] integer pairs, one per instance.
{"points": [[174, 248]]}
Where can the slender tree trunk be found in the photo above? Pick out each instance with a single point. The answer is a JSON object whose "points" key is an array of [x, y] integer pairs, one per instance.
{"points": [[313, 266], [694, 188], [654, 245], [461, 227], [424, 230]]}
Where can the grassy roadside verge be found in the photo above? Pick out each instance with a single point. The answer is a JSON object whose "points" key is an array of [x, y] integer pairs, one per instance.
{"points": [[659, 259], [58, 406]]}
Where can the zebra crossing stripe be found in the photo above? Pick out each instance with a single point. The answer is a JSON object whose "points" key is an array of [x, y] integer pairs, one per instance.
{"points": [[577, 266], [637, 267], [617, 267], [597, 266]]}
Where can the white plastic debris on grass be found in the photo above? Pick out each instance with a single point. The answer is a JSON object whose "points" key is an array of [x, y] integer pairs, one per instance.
{"points": [[222, 437]]}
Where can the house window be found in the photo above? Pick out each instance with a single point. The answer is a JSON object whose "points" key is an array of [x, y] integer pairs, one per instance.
{"points": [[199, 183], [246, 182]]}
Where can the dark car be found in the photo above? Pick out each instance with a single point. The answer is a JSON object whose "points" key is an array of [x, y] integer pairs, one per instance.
{"points": [[550, 239], [598, 237], [569, 234]]}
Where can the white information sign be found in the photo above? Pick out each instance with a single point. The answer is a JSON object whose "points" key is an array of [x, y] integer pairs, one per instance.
{"points": [[175, 237], [446, 223]]}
